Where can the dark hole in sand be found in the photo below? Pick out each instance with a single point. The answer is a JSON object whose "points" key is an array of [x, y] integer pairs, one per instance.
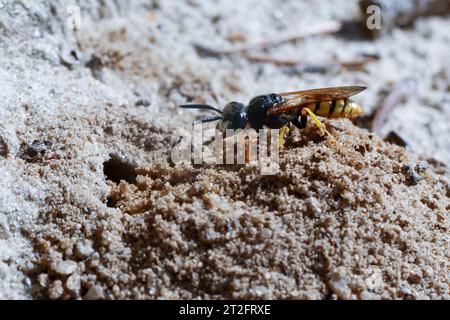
{"points": [[117, 169]]}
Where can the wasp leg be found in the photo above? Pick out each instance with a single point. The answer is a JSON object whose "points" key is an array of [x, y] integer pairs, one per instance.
{"points": [[283, 133], [301, 124], [316, 120]]}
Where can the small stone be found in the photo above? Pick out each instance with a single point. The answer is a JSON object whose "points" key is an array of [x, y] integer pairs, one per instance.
{"points": [[415, 278], [84, 249], [95, 293], [143, 102], [212, 201], [66, 267], [95, 63], [69, 58], [339, 286], [313, 207], [259, 291], [56, 290], [366, 295], [116, 290], [411, 174], [428, 271], [421, 167], [375, 281], [73, 283], [34, 151], [43, 280], [404, 291], [4, 150], [4, 229], [266, 233]]}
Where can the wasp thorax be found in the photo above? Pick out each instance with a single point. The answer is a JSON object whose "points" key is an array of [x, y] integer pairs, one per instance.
{"points": [[234, 117]]}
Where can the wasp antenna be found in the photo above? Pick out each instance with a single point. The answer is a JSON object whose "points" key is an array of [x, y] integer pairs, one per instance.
{"points": [[208, 119], [200, 106]]}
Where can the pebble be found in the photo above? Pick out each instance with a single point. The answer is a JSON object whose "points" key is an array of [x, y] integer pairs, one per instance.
{"points": [[3, 148], [84, 249], [404, 291], [428, 271], [375, 281], [313, 207], [421, 167], [43, 280], [34, 151], [339, 286], [143, 102], [73, 283], [5, 234], [66, 267], [411, 174], [56, 290], [95, 293], [266, 233]]}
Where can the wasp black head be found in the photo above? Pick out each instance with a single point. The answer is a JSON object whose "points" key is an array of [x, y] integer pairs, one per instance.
{"points": [[234, 117]]}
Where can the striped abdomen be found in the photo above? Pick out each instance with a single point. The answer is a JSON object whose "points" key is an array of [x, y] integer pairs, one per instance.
{"points": [[339, 108]]}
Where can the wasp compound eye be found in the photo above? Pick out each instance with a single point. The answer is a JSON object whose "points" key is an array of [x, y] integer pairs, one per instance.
{"points": [[234, 117], [276, 98]]}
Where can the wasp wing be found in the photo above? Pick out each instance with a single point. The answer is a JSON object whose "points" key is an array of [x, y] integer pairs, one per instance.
{"points": [[297, 99]]}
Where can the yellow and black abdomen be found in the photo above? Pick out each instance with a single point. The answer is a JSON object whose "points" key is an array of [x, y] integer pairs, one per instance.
{"points": [[339, 108]]}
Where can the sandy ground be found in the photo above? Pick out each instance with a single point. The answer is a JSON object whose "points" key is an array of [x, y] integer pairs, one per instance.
{"points": [[357, 219]]}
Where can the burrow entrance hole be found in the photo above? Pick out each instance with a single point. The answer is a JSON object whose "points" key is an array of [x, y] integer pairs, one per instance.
{"points": [[117, 169]]}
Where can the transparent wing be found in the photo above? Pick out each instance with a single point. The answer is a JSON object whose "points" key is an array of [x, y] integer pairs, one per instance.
{"points": [[297, 99]]}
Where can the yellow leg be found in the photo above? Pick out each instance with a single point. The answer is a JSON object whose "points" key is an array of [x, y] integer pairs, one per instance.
{"points": [[283, 132], [316, 121]]}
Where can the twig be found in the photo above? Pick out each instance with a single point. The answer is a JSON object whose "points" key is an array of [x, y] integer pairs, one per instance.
{"points": [[265, 58], [355, 63], [328, 27], [400, 93]]}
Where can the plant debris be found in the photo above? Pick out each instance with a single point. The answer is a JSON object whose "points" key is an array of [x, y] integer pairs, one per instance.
{"points": [[323, 28]]}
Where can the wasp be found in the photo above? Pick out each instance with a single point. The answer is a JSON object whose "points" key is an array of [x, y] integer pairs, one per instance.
{"points": [[280, 110]]}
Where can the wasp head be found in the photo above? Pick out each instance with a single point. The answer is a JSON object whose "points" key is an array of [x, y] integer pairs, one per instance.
{"points": [[234, 117]]}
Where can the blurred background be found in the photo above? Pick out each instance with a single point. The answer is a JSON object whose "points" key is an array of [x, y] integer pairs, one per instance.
{"points": [[215, 51], [164, 53]]}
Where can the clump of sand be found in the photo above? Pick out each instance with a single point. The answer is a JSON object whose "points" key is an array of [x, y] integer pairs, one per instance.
{"points": [[354, 219]]}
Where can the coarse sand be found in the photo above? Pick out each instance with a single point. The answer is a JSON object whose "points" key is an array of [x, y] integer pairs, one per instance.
{"points": [[353, 219]]}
